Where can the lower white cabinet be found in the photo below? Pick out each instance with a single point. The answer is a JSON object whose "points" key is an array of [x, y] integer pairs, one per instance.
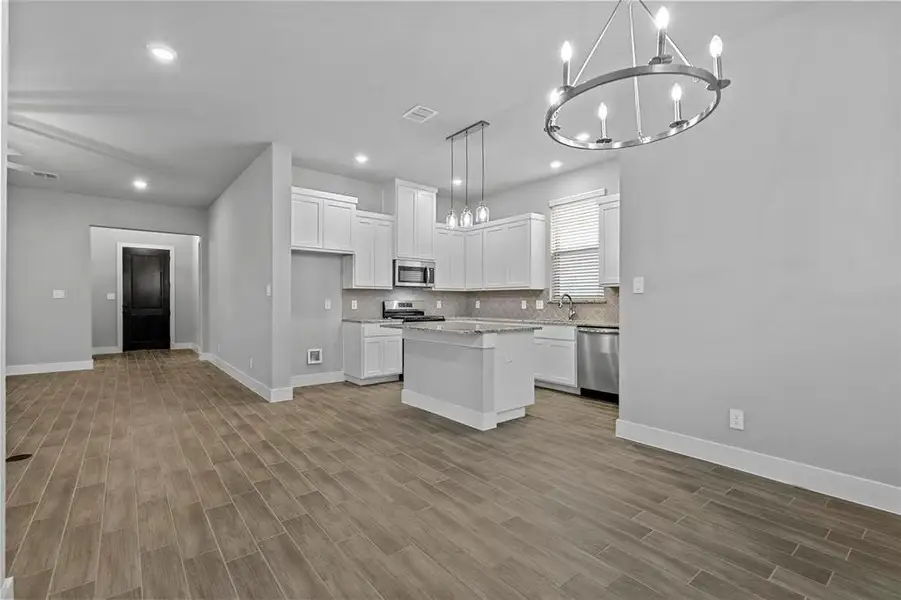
{"points": [[608, 246], [372, 353], [373, 250], [555, 355]]}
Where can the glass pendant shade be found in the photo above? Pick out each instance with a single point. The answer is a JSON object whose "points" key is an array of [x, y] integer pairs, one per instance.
{"points": [[451, 219], [481, 213], [466, 217]]}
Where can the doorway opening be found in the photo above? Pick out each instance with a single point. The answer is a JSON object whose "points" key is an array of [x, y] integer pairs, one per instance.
{"points": [[146, 298]]}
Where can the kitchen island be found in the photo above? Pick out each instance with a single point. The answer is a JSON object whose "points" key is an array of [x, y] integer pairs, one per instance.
{"points": [[473, 372]]}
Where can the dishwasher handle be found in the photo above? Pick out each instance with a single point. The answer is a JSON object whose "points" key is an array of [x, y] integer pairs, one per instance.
{"points": [[603, 330]]}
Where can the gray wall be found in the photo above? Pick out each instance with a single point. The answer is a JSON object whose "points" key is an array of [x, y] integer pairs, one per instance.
{"points": [[769, 239], [315, 278], [49, 247], [367, 193], [104, 280], [249, 245]]}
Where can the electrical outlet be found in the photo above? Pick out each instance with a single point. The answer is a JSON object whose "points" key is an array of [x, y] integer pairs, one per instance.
{"points": [[524, 305], [737, 419], [59, 294], [353, 305], [251, 362], [478, 304], [539, 304], [111, 296], [328, 304], [437, 303], [638, 285]]}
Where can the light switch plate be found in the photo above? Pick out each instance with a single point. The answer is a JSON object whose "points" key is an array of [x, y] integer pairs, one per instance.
{"points": [[353, 305], [638, 285], [478, 304], [57, 294], [268, 290], [524, 305], [437, 303], [111, 296], [328, 304], [539, 304]]}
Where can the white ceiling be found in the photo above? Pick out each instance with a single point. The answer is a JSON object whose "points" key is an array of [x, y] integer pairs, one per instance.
{"points": [[328, 79]]}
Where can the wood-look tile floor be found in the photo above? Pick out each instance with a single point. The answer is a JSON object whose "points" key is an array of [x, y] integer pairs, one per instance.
{"points": [[157, 476]]}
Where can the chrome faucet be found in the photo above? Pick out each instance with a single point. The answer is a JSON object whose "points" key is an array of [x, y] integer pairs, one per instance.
{"points": [[572, 310]]}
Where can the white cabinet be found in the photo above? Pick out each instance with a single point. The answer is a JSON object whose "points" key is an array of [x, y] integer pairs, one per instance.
{"points": [[472, 252], [450, 259], [515, 253], [608, 246], [413, 206], [372, 353], [370, 265], [322, 221], [555, 355]]}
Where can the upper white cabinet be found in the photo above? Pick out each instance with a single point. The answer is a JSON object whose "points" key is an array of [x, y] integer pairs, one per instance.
{"points": [[322, 221], [608, 246], [473, 266], [414, 208], [450, 259], [514, 253], [373, 249]]}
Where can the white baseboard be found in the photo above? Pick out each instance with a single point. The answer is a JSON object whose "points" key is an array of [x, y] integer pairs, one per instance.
{"points": [[847, 487], [186, 346], [317, 378], [79, 365], [105, 350], [557, 387], [370, 380], [454, 412], [259, 388], [6, 592]]}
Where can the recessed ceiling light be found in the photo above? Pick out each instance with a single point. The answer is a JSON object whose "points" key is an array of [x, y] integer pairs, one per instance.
{"points": [[162, 53], [583, 137], [361, 159], [556, 164], [457, 182], [139, 184]]}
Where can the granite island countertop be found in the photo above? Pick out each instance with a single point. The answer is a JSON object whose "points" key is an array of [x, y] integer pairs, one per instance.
{"points": [[465, 327], [576, 323]]}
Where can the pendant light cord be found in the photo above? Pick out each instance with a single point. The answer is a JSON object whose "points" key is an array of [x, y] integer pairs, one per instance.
{"points": [[466, 175], [482, 200], [452, 173]]}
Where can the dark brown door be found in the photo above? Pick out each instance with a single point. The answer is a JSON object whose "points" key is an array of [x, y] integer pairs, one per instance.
{"points": [[145, 299]]}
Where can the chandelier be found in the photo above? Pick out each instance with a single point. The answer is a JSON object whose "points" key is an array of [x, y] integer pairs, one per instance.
{"points": [[660, 64], [467, 219]]}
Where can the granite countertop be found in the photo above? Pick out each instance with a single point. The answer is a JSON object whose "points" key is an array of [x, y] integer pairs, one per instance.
{"points": [[465, 327], [576, 323], [369, 320]]}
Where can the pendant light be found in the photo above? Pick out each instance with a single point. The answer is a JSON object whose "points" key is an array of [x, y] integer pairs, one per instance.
{"points": [[466, 215], [451, 219], [482, 210]]}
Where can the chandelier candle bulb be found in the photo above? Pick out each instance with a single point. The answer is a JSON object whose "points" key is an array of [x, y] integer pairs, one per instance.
{"points": [[566, 54], [662, 22], [716, 51], [602, 115], [676, 95]]}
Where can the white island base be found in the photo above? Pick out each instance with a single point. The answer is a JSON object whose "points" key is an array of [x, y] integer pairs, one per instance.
{"points": [[477, 378]]}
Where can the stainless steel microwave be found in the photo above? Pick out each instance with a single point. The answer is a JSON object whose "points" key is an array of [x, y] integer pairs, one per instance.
{"points": [[414, 273]]}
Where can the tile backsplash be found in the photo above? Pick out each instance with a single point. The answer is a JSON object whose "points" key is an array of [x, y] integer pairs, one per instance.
{"points": [[508, 305], [499, 304]]}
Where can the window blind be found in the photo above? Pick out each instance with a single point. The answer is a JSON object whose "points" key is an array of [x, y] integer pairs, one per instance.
{"points": [[574, 250]]}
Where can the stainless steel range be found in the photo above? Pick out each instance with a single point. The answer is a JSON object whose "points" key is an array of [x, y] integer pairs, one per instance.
{"points": [[407, 311]]}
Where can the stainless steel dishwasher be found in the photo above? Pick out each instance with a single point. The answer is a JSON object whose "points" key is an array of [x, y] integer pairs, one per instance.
{"points": [[597, 355]]}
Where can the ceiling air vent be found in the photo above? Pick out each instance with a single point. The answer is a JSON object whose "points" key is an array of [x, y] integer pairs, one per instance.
{"points": [[420, 114], [45, 175]]}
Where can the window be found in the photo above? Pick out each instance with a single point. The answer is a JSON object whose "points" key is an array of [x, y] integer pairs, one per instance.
{"points": [[574, 247]]}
